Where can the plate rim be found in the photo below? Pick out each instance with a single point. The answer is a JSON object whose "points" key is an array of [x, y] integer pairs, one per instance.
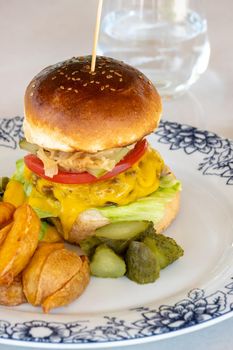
{"points": [[118, 343], [216, 153]]}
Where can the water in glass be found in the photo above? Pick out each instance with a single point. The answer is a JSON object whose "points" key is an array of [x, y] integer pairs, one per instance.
{"points": [[171, 48]]}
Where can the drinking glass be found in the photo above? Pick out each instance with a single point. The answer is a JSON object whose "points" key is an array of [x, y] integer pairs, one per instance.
{"points": [[165, 39]]}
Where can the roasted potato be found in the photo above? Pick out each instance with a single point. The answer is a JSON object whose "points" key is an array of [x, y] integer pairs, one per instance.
{"points": [[12, 295], [71, 290], [6, 213], [4, 232], [32, 273], [51, 235], [55, 276], [20, 244], [14, 193]]}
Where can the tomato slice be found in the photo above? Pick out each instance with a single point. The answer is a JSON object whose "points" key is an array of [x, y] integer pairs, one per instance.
{"points": [[37, 167]]}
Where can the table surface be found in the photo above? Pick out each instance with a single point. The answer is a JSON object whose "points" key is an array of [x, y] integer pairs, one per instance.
{"points": [[35, 34]]}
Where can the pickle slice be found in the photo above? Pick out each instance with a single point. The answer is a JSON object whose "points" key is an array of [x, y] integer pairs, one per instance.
{"points": [[106, 263], [164, 248], [89, 245], [3, 182], [122, 230], [27, 146], [118, 245], [142, 265]]}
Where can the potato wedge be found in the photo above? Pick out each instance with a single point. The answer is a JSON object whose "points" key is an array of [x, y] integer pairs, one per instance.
{"points": [[12, 295], [55, 276], [20, 244], [14, 193], [61, 265], [6, 213], [4, 232], [71, 290], [31, 274], [51, 235]]}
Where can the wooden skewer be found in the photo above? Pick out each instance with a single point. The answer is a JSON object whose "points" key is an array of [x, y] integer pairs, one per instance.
{"points": [[96, 35]]}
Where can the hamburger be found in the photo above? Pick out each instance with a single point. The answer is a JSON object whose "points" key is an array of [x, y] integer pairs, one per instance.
{"points": [[89, 163]]}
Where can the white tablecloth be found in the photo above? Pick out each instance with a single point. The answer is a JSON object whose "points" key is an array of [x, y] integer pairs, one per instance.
{"points": [[34, 34]]}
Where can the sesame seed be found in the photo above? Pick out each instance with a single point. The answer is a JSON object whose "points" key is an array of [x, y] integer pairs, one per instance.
{"points": [[111, 70], [54, 77], [140, 76], [61, 73], [31, 94], [68, 78], [78, 78], [109, 76], [73, 79], [112, 89], [118, 74], [33, 85], [103, 72], [97, 82], [120, 79], [85, 84], [107, 85], [69, 89], [92, 81], [76, 91], [102, 88], [74, 72], [62, 87]]}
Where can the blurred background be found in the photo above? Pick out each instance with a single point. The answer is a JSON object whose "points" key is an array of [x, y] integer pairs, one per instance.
{"points": [[36, 34], [165, 39]]}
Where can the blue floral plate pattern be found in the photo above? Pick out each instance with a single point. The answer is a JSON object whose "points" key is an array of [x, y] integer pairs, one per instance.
{"points": [[210, 158]]}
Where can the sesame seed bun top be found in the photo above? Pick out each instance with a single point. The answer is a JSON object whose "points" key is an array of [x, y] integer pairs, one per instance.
{"points": [[68, 107]]}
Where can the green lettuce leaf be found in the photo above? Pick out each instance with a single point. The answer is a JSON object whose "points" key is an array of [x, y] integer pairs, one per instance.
{"points": [[42, 214], [19, 176], [19, 172], [43, 228], [150, 208]]}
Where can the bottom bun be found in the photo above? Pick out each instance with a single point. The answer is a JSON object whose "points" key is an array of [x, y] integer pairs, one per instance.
{"points": [[89, 220], [170, 214]]}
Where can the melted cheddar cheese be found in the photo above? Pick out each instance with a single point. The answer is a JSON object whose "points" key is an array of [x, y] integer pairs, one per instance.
{"points": [[67, 201]]}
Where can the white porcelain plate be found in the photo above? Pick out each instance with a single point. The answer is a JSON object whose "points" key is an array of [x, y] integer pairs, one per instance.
{"points": [[194, 292]]}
